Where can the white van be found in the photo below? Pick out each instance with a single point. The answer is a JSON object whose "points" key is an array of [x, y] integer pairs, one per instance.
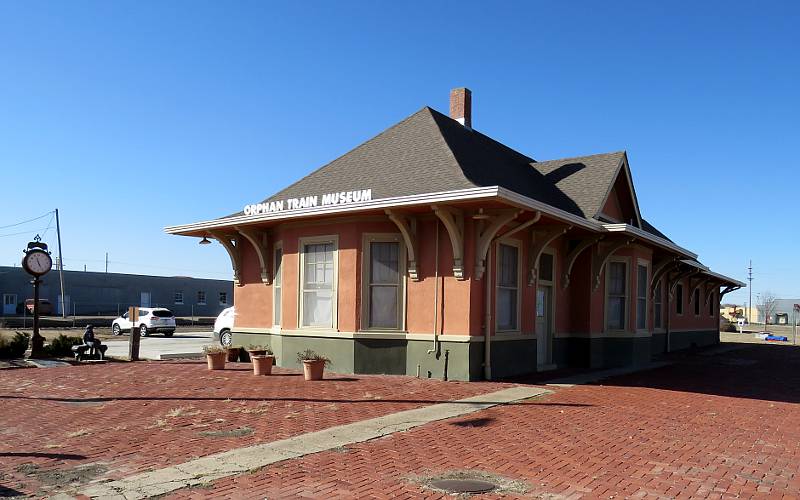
{"points": [[223, 325]]}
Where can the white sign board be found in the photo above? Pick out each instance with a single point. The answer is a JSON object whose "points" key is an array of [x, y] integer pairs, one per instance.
{"points": [[326, 200]]}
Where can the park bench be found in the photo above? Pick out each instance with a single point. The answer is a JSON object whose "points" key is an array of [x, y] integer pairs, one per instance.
{"points": [[85, 351]]}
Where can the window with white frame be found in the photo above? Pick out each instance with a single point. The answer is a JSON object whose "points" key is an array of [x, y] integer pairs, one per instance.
{"points": [[507, 287], [657, 306], [383, 282], [617, 295], [696, 300], [318, 284], [641, 297], [179, 297], [223, 298], [277, 286], [679, 298], [201, 297]]}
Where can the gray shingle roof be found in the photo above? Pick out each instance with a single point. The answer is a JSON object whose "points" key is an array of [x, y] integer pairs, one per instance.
{"points": [[430, 152], [584, 179]]}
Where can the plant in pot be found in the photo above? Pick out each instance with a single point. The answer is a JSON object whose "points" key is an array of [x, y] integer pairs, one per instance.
{"points": [[262, 363], [313, 364], [258, 350], [216, 357]]}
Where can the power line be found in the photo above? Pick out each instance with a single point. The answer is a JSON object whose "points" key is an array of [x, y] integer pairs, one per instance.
{"points": [[23, 232], [27, 221]]}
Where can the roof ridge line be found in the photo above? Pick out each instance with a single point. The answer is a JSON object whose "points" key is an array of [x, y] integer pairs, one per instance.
{"points": [[621, 151]]}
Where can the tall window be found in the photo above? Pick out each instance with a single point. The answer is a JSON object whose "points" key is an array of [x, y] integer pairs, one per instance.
{"points": [[318, 300], [679, 298], [223, 298], [383, 280], [277, 286], [696, 300], [507, 287], [617, 295], [179, 297], [641, 297], [201, 298], [657, 306]]}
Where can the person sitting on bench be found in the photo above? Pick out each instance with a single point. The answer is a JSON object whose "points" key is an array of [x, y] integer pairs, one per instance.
{"points": [[90, 340]]}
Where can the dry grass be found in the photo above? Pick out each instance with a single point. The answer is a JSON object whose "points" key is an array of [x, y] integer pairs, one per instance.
{"points": [[78, 433]]}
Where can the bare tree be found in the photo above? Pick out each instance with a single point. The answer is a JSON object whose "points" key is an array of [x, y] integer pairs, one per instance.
{"points": [[766, 306]]}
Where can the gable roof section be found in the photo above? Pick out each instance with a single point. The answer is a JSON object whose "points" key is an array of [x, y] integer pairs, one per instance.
{"points": [[587, 180]]}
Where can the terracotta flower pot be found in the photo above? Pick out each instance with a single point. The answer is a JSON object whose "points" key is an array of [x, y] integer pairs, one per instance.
{"points": [[216, 360], [233, 354], [313, 369], [262, 365], [257, 352]]}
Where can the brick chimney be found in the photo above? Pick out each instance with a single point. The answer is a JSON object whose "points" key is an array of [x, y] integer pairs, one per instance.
{"points": [[461, 106]]}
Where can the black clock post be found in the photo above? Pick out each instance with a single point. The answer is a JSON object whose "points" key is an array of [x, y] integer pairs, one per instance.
{"points": [[37, 263]]}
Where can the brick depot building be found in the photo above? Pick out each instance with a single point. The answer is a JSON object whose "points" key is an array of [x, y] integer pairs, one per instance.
{"points": [[434, 250]]}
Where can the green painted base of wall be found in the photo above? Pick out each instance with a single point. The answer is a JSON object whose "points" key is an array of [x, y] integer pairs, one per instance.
{"points": [[455, 360], [464, 360]]}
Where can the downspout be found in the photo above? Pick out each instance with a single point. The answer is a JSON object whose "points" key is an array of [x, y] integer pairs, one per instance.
{"points": [[487, 343], [436, 297], [669, 313]]}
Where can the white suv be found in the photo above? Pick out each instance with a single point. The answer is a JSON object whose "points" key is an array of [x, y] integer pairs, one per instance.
{"points": [[223, 325], [151, 320]]}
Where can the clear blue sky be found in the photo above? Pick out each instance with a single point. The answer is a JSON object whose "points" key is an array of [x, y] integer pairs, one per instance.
{"points": [[130, 116]]}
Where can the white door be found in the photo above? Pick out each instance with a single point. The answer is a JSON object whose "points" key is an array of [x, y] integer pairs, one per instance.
{"points": [[145, 302], [544, 327], [9, 304]]}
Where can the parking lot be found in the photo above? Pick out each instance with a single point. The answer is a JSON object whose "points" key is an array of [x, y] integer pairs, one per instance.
{"points": [[713, 424]]}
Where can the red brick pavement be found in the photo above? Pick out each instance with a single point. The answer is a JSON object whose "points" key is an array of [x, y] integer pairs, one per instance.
{"points": [[141, 416], [707, 427]]}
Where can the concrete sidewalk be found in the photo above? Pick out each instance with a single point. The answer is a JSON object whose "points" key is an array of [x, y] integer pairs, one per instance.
{"points": [[158, 347]]}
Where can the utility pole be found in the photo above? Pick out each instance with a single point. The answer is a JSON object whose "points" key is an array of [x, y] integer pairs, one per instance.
{"points": [[60, 267], [106, 261], [750, 279]]}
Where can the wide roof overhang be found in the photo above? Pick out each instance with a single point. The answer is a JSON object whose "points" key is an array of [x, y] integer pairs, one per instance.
{"points": [[489, 194]]}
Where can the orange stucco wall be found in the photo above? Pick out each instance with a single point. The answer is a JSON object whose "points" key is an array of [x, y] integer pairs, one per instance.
{"points": [[579, 308]]}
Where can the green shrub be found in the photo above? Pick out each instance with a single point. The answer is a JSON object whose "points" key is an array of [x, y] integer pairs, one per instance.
{"points": [[61, 346], [15, 346]]}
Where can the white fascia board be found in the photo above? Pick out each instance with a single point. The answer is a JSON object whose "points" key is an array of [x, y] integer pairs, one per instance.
{"points": [[644, 235], [490, 192], [397, 201], [727, 279], [694, 263]]}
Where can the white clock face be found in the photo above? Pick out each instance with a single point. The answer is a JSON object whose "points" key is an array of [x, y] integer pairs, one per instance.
{"points": [[38, 262]]}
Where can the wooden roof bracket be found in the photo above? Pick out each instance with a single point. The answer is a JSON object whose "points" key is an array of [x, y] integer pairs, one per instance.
{"points": [[408, 229], [728, 289], [541, 236], [662, 267], [573, 256], [259, 241], [453, 220], [693, 285], [710, 290], [674, 280], [231, 244], [601, 258], [487, 234]]}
